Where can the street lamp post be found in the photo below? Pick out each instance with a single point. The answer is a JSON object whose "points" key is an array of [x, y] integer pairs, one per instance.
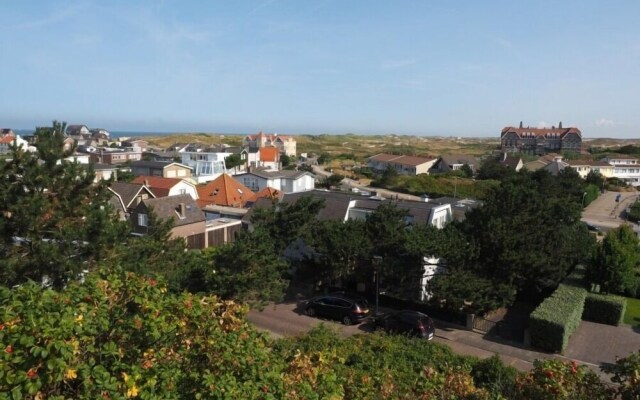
{"points": [[377, 263], [583, 196]]}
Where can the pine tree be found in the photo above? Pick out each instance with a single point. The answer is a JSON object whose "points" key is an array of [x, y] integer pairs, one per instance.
{"points": [[55, 221]]}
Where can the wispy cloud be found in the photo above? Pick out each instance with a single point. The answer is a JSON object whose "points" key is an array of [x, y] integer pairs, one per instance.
{"points": [[57, 16], [604, 122], [396, 64]]}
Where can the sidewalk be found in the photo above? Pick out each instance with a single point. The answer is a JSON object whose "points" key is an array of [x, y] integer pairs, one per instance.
{"points": [[477, 344]]}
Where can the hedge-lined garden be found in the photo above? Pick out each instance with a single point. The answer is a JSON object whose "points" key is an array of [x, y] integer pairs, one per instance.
{"points": [[554, 321], [604, 309]]}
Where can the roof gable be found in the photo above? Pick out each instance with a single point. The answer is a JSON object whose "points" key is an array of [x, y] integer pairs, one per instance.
{"points": [[169, 208], [225, 191]]}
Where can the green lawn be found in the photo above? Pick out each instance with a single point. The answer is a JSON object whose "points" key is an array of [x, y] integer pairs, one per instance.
{"points": [[632, 315]]}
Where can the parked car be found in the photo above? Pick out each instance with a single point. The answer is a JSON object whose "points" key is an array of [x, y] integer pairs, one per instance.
{"points": [[407, 322], [592, 228], [346, 308]]}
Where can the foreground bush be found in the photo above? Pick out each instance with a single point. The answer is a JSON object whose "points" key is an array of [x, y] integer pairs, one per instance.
{"points": [[121, 336], [559, 380], [604, 309], [554, 321]]}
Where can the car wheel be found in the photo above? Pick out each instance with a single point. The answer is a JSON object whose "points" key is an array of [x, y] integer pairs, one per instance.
{"points": [[311, 311], [347, 320]]}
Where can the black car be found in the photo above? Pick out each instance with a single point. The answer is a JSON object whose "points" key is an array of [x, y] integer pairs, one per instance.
{"points": [[592, 228], [408, 322], [343, 307]]}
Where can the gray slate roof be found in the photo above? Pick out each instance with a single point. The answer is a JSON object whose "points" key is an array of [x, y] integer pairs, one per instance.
{"points": [[166, 207], [337, 205], [127, 191]]}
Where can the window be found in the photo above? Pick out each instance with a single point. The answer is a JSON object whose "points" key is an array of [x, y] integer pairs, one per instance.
{"points": [[142, 219], [183, 191]]}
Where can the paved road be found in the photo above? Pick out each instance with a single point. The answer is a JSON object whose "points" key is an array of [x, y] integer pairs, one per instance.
{"points": [[288, 319], [605, 213]]}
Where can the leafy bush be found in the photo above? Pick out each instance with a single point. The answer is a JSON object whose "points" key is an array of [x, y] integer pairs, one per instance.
{"points": [[491, 374], [554, 321], [559, 380], [604, 309], [626, 373]]}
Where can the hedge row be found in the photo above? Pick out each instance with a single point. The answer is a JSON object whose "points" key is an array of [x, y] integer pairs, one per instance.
{"points": [[604, 309], [556, 318]]}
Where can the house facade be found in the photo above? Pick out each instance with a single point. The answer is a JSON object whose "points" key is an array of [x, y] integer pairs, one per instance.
{"points": [[284, 144], [7, 141], [159, 168], [189, 222], [540, 140], [405, 165], [164, 187], [583, 167], [127, 196], [285, 181], [205, 165], [626, 168], [113, 157], [78, 130], [455, 162]]}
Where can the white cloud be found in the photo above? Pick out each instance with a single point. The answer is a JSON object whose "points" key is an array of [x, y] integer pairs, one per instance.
{"points": [[603, 122]]}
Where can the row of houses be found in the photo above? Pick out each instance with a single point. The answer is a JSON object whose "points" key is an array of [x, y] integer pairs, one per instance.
{"points": [[626, 168], [412, 165]]}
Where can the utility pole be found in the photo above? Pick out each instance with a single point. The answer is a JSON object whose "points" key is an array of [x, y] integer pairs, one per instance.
{"points": [[377, 264]]}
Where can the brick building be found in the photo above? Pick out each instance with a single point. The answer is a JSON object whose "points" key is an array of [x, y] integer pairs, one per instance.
{"points": [[541, 140]]}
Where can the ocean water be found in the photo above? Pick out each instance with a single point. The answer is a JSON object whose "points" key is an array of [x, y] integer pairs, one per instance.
{"points": [[117, 134]]}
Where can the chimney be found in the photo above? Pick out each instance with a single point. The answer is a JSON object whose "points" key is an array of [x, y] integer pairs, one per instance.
{"points": [[560, 125], [181, 210], [146, 183], [520, 124]]}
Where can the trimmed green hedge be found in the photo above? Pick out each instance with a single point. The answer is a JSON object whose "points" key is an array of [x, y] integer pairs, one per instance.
{"points": [[556, 318], [604, 309]]}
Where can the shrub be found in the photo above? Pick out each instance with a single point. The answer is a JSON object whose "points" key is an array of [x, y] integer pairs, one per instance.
{"points": [[604, 309], [491, 374], [555, 379], [556, 318]]}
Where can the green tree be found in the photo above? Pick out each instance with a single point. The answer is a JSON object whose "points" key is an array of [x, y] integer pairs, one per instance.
{"points": [[595, 178], [493, 169], [233, 161], [466, 170], [340, 248], [286, 161], [528, 234], [250, 270], [331, 181], [616, 261], [324, 158], [626, 373], [50, 209], [286, 222]]}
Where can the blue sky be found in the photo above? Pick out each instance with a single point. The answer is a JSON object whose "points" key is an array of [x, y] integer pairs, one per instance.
{"points": [[464, 68]]}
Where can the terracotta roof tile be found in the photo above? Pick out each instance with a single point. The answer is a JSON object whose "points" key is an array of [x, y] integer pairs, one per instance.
{"points": [[269, 154], [159, 186], [225, 191]]}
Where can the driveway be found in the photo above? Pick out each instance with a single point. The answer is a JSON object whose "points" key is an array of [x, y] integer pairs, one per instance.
{"points": [[605, 212], [600, 344]]}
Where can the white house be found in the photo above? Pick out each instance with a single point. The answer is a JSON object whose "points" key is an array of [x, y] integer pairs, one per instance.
{"points": [[8, 140], [406, 165], [285, 181], [206, 165], [163, 187], [626, 168]]}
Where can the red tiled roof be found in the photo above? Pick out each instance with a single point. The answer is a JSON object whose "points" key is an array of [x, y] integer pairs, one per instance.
{"points": [[159, 186], [225, 191], [541, 132], [269, 154], [7, 139], [269, 193]]}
